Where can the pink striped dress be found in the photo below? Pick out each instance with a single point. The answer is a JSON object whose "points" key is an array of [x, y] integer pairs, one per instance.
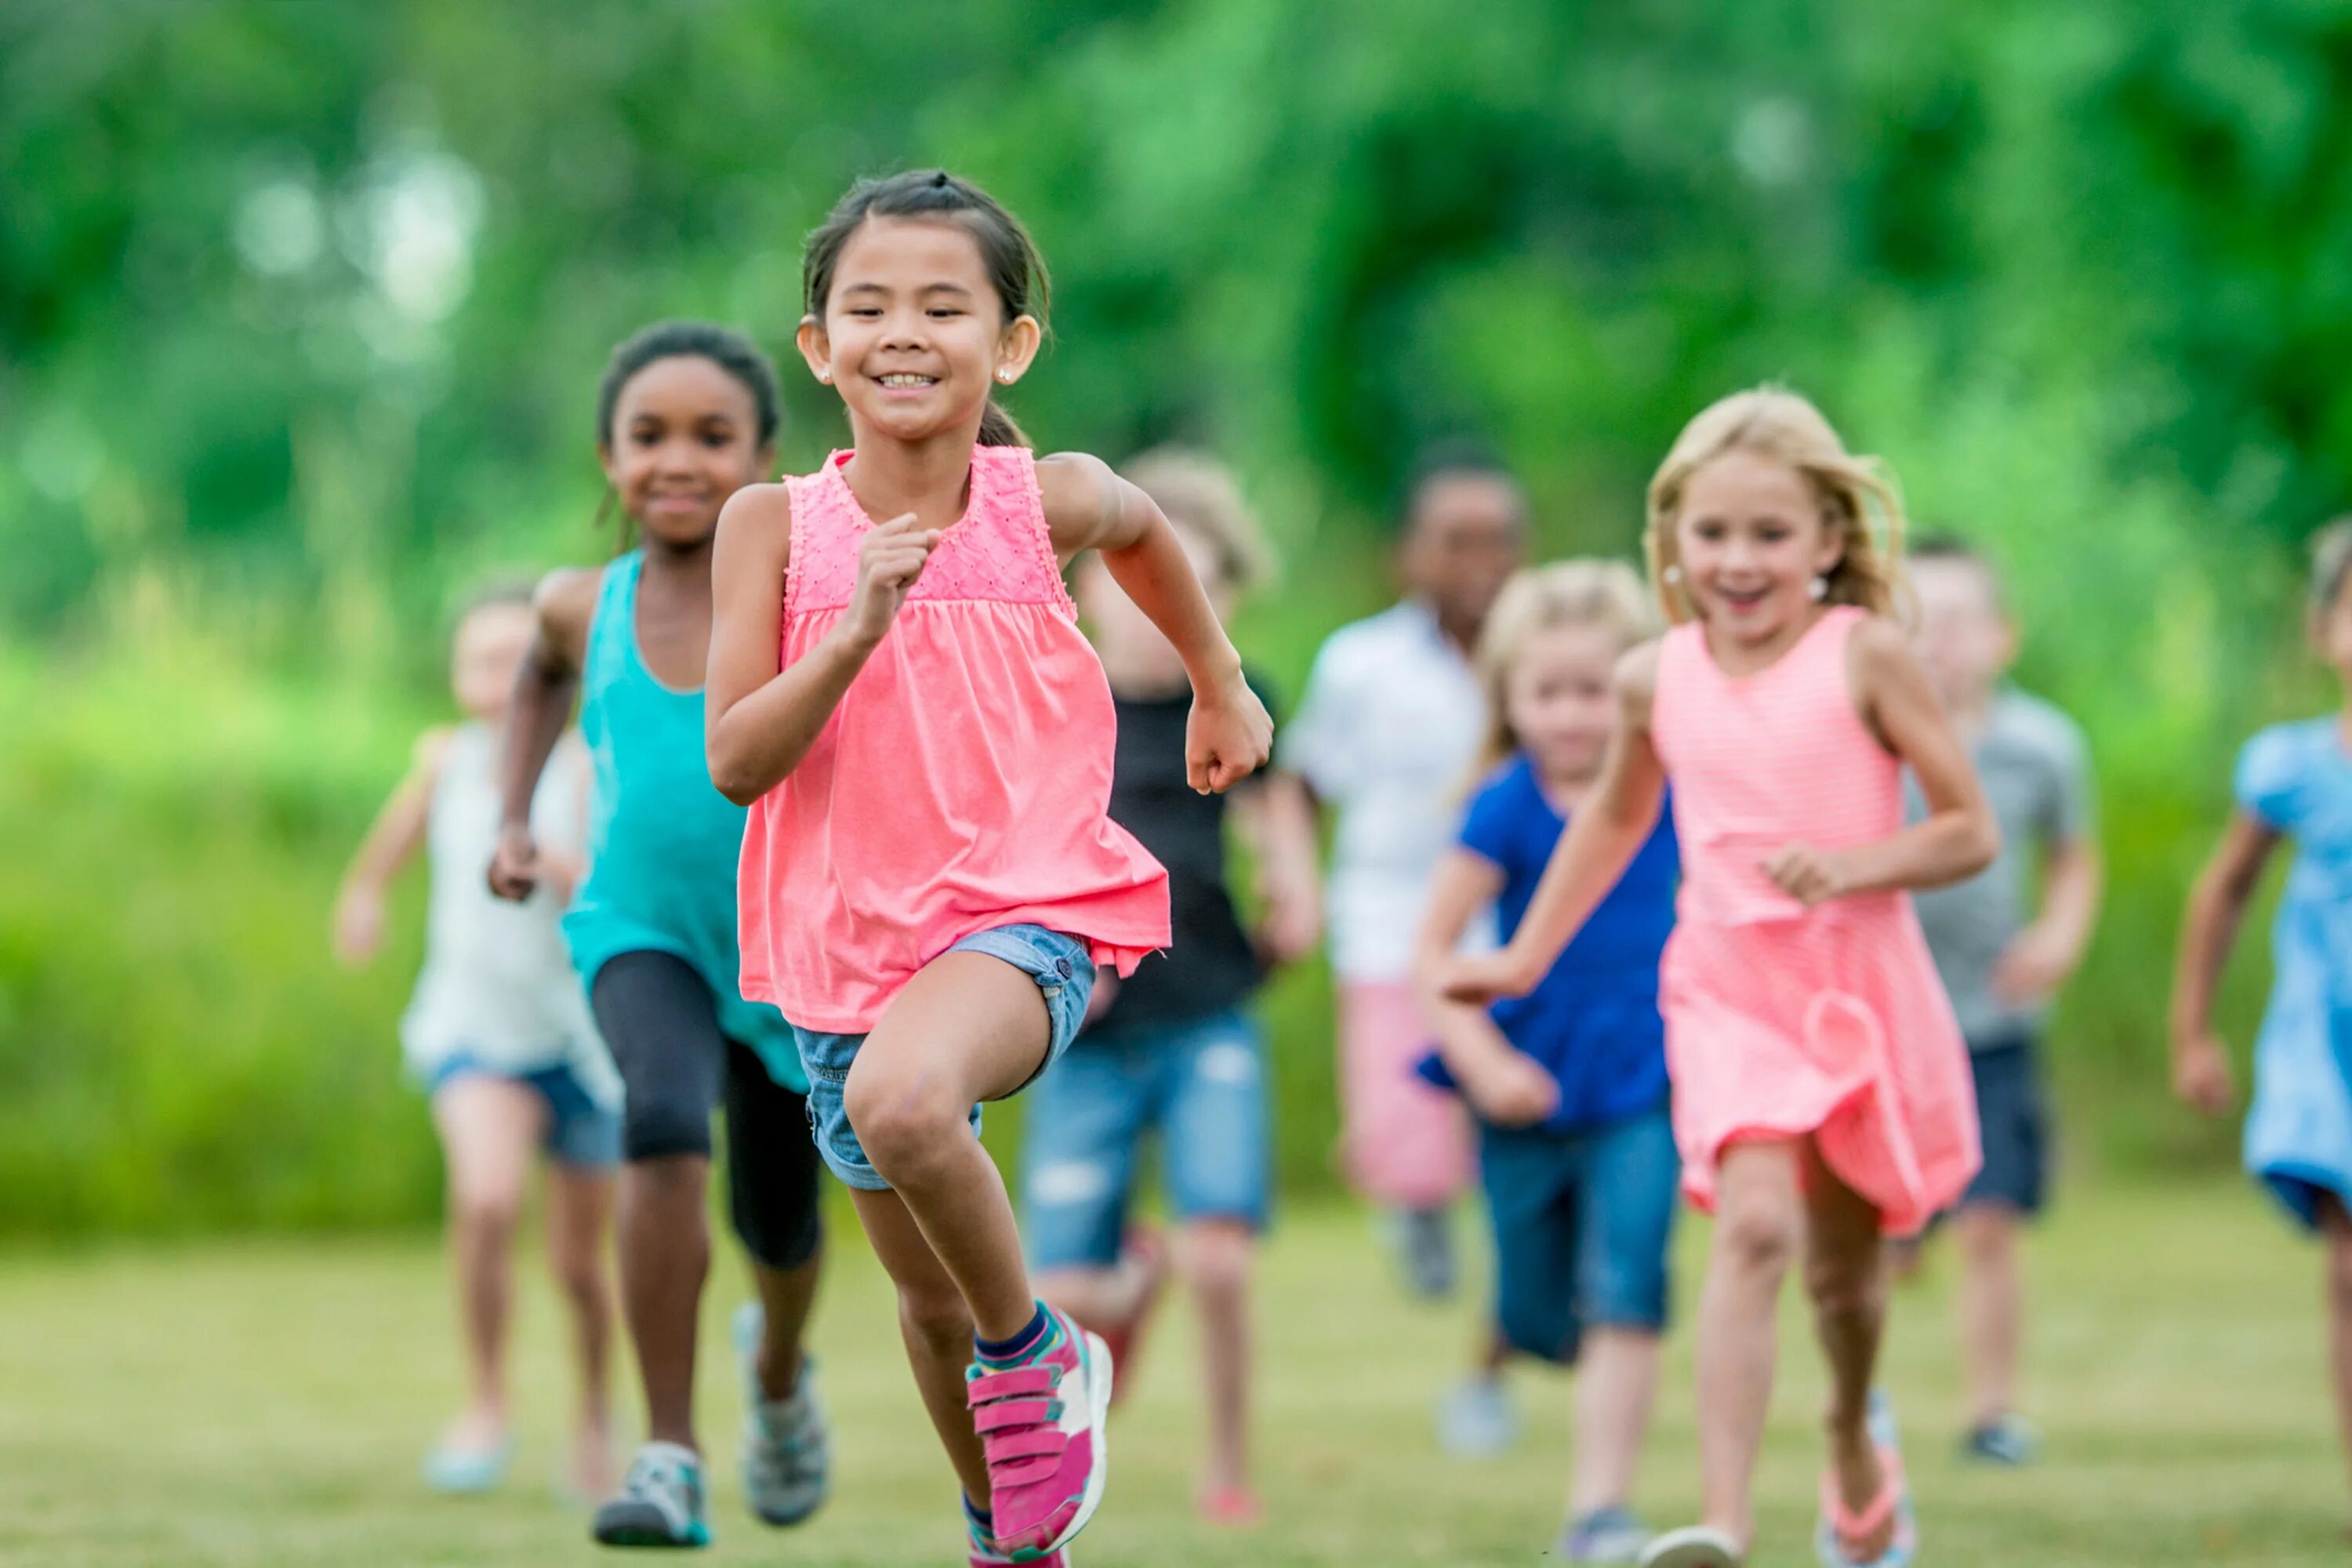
{"points": [[962, 785], [1783, 1021]]}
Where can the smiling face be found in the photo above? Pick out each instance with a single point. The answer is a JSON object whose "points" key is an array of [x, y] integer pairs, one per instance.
{"points": [[1560, 697], [685, 436], [1750, 538], [914, 332]]}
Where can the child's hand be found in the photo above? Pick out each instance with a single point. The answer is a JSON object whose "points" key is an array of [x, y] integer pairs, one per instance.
{"points": [[1229, 737], [1809, 875], [514, 863], [1484, 979], [890, 559], [1292, 923], [359, 926], [2200, 1075], [2031, 968], [1510, 1090]]}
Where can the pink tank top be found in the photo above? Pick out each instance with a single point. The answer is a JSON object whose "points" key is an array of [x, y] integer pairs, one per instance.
{"points": [[963, 784], [1764, 761]]}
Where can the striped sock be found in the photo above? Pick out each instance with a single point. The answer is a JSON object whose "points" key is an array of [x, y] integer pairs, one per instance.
{"points": [[1038, 1337]]}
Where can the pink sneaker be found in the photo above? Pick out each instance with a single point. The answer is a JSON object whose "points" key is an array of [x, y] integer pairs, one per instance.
{"points": [[1042, 1424], [985, 1555]]}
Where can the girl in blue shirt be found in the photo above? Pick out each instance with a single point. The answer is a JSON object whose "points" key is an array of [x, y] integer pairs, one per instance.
{"points": [[1569, 1083]]}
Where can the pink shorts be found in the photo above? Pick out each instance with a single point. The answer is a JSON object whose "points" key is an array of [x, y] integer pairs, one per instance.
{"points": [[1404, 1142]]}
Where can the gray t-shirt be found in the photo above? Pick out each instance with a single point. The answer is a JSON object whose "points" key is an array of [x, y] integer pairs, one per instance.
{"points": [[2037, 776]]}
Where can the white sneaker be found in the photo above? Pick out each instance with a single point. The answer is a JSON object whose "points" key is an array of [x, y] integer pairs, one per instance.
{"points": [[787, 1451]]}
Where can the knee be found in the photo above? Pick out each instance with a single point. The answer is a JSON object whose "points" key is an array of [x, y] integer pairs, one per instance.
{"points": [[901, 1118], [1845, 1283], [486, 1210], [938, 1319], [579, 1278], [1218, 1254], [1757, 1238]]}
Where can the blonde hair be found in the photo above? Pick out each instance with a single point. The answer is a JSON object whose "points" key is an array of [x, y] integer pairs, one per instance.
{"points": [[1199, 493], [1855, 492], [1584, 593]]}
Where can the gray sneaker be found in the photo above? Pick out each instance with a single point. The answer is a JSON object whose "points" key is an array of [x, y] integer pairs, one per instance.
{"points": [[662, 1501], [787, 1453], [1424, 1243], [1605, 1535], [1476, 1419]]}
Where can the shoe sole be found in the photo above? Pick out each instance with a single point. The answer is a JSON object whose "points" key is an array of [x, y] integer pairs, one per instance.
{"points": [[1689, 1548], [632, 1535], [1098, 1385]]}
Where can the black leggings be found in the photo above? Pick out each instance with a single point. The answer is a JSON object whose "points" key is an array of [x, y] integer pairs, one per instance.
{"points": [[662, 1024]]}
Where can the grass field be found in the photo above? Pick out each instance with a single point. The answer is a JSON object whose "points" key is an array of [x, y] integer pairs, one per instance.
{"points": [[265, 1404]]}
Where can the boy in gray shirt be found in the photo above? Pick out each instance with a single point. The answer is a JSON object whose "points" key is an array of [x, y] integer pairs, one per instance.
{"points": [[2000, 959]]}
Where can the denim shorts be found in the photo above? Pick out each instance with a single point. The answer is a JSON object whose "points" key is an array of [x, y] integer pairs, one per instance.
{"points": [[579, 1131], [1064, 971], [1582, 1222], [1201, 1082], [2016, 1128]]}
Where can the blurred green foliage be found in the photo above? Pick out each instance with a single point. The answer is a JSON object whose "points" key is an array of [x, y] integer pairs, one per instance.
{"points": [[301, 308]]}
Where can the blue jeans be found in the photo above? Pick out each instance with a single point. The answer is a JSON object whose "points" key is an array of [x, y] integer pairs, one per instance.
{"points": [[579, 1131], [1064, 971], [1582, 1221], [1202, 1082]]}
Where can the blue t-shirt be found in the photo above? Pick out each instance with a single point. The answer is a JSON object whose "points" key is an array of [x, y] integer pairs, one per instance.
{"points": [[1593, 1021]]}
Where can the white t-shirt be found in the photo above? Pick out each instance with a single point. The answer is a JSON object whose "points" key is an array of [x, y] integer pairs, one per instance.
{"points": [[1386, 733]]}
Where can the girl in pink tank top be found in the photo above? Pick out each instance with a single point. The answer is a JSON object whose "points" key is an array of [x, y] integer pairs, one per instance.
{"points": [[1821, 1086], [899, 692]]}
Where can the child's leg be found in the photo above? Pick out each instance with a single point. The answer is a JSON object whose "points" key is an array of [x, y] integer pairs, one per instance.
{"points": [[936, 1327], [969, 1027], [1990, 1306], [2336, 1225], [1078, 1159], [490, 1126], [662, 1024], [1624, 1226], [1217, 1258], [774, 1201], [1846, 1275], [1758, 1219], [579, 1218]]}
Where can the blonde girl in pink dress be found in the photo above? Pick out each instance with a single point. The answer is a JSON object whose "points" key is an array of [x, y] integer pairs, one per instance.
{"points": [[1821, 1095], [930, 877]]}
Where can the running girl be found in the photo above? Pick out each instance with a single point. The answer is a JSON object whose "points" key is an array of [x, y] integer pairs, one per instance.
{"points": [[930, 877], [686, 416], [2293, 781], [501, 1038], [1821, 1083], [1575, 1148]]}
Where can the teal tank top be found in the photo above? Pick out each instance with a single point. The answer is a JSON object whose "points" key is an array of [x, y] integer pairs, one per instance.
{"points": [[662, 843]]}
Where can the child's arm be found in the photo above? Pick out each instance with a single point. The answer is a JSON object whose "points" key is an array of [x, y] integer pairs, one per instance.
{"points": [[761, 719], [1088, 507], [545, 689], [2042, 956], [2201, 1068], [1503, 1083], [1956, 840], [1277, 816], [392, 839], [1601, 840]]}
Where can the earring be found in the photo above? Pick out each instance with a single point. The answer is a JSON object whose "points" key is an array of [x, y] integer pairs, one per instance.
{"points": [[825, 377], [1673, 574], [1006, 377], [1819, 588]]}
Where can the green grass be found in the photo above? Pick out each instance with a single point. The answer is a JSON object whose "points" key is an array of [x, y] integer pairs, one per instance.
{"points": [[265, 1404]]}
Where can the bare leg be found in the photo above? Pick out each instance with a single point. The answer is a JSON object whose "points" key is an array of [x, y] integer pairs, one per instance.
{"points": [[2336, 1226], [1098, 1297], [489, 1127], [1216, 1258], [579, 1218], [665, 1231], [936, 1327], [968, 1027], [1616, 1379], [1846, 1275], [1758, 1216], [1989, 1304], [787, 1298]]}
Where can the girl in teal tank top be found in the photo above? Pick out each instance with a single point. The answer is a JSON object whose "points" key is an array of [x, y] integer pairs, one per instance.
{"points": [[686, 416], [662, 843]]}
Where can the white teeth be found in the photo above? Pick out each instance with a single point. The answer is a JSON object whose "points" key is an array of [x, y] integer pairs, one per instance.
{"points": [[904, 380]]}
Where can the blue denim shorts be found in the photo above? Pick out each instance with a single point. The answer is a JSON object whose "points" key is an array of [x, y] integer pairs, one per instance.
{"points": [[1063, 970], [1582, 1222], [1201, 1083], [579, 1131]]}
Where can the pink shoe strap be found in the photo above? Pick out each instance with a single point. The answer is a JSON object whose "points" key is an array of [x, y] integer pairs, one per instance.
{"points": [[1004, 1414], [1848, 1525], [1012, 1383]]}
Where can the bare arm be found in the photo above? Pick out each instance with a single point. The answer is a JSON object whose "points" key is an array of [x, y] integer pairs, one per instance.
{"points": [[391, 840], [1088, 507], [1277, 817], [2050, 949], [546, 687], [2209, 930], [759, 719], [1607, 832], [1503, 1083]]}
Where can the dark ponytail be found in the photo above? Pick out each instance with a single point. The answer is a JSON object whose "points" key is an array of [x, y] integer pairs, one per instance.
{"points": [[1015, 269]]}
